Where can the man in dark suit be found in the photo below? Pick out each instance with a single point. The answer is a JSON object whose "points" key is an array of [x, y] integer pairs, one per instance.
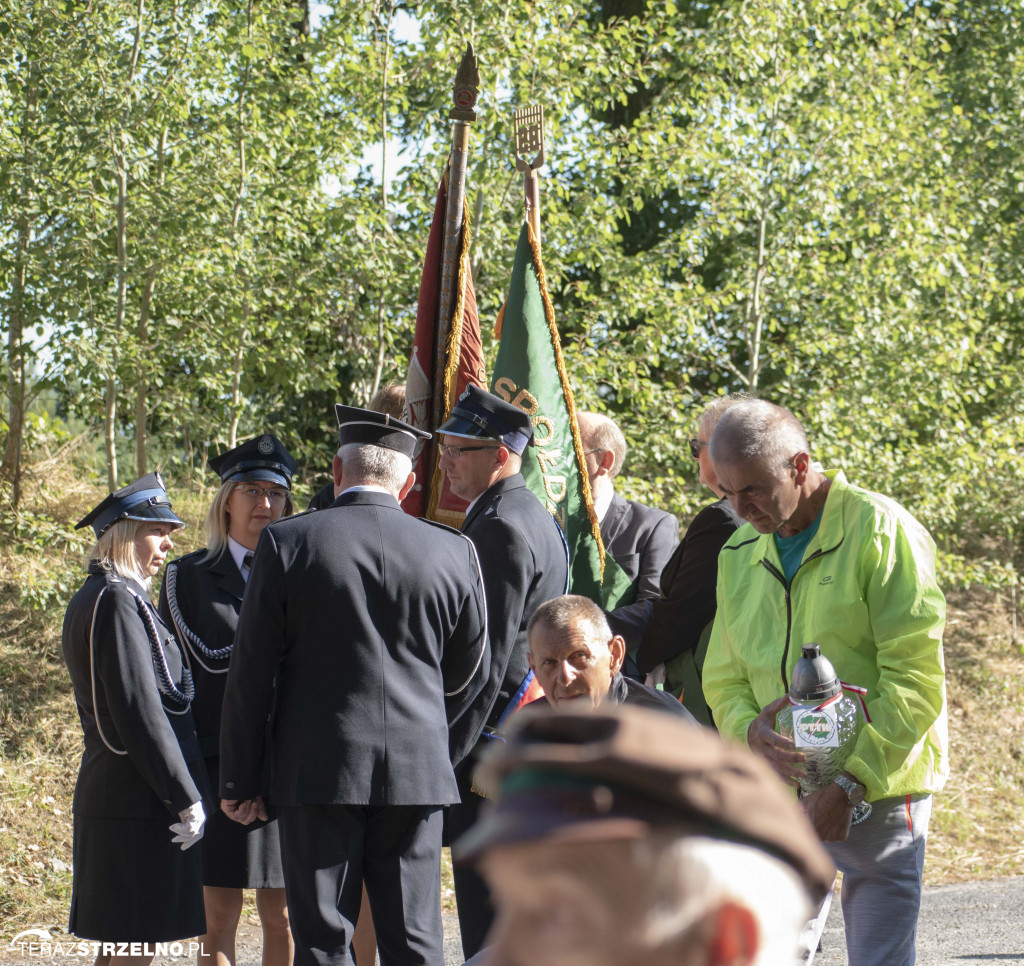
{"points": [[640, 538], [370, 653], [525, 562]]}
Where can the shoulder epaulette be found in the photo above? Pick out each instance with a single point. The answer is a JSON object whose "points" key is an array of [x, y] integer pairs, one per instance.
{"points": [[192, 555], [294, 516], [444, 526]]}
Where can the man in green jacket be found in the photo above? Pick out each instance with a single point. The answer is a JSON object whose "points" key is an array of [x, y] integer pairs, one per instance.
{"points": [[821, 560]]}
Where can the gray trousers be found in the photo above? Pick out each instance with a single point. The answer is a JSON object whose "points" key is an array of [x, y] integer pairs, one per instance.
{"points": [[882, 862]]}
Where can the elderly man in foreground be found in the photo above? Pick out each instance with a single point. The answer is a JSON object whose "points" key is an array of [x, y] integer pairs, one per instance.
{"points": [[823, 561], [578, 661], [628, 837]]}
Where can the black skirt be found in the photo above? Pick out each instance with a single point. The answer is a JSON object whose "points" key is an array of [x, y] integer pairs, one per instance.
{"points": [[240, 856], [132, 883]]}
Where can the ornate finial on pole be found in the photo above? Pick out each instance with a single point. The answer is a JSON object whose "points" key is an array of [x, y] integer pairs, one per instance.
{"points": [[466, 87], [528, 131], [464, 92]]}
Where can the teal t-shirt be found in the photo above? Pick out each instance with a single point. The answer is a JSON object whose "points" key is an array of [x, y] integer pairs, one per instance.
{"points": [[791, 549]]}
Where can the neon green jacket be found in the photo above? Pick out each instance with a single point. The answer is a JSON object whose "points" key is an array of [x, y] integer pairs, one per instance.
{"points": [[866, 592]]}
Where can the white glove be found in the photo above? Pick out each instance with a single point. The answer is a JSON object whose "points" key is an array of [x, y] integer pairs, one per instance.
{"points": [[656, 677], [190, 829]]}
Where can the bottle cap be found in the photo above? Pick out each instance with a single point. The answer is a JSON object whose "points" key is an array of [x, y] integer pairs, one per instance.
{"points": [[814, 678]]}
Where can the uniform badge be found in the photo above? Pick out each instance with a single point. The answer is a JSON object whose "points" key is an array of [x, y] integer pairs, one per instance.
{"points": [[266, 445]]}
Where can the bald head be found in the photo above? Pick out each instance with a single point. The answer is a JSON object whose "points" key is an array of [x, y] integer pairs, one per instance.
{"points": [[569, 611], [573, 652], [760, 455], [757, 431], [601, 433]]}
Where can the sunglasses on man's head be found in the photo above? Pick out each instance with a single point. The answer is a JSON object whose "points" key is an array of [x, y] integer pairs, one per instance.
{"points": [[695, 445]]}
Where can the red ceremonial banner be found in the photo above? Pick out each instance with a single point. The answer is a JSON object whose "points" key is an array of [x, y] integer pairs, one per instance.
{"points": [[461, 364]]}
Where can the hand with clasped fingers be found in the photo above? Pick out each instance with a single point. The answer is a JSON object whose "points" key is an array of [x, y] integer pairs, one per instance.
{"points": [[778, 750], [246, 811], [828, 808]]}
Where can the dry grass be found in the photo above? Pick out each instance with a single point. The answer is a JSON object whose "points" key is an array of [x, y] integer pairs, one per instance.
{"points": [[975, 829], [975, 825], [41, 749]]}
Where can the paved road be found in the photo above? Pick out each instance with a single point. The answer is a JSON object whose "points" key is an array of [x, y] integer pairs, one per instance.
{"points": [[977, 923]]}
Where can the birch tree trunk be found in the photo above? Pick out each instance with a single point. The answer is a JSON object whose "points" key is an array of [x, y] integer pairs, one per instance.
{"points": [[240, 269], [142, 337], [120, 143]]}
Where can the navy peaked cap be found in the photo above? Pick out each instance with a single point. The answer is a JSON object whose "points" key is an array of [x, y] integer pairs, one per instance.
{"points": [[482, 415], [369, 428], [145, 499], [260, 458]]}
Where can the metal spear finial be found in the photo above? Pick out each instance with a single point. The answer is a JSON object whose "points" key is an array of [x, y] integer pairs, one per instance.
{"points": [[466, 87]]}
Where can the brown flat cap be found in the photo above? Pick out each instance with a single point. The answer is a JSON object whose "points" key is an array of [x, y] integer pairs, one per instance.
{"points": [[622, 774]]}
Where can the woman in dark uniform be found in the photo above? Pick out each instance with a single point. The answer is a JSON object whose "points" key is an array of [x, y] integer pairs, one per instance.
{"points": [[137, 805], [200, 599]]}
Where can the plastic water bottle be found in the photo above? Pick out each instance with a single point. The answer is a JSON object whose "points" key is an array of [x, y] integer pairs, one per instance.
{"points": [[822, 721]]}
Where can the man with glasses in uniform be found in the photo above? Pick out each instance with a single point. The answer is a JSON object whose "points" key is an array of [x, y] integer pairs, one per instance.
{"points": [[524, 561]]}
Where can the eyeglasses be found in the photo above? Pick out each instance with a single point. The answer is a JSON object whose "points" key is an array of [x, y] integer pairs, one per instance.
{"points": [[256, 493], [695, 445], [455, 452]]}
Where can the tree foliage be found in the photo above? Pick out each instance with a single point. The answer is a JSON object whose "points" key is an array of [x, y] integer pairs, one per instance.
{"points": [[817, 201]]}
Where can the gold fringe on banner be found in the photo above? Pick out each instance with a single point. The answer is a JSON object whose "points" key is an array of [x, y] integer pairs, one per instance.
{"points": [[570, 401], [453, 352]]}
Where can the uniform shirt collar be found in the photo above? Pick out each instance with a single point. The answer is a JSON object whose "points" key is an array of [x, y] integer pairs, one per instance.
{"points": [[365, 488], [238, 553]]}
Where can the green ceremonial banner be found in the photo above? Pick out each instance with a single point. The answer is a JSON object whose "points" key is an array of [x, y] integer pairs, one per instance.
{"points": [[530, 374]]}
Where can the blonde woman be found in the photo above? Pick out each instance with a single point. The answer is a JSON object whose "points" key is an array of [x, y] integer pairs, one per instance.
{"points": [[200, 599], [138, 805]]}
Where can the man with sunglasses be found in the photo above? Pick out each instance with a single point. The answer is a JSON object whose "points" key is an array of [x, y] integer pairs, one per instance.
{"points": [[824, 561], [524, 561], [671, 633]]}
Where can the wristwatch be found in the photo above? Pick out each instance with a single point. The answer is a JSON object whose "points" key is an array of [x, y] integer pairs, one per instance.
{"points": [[854, 789]]}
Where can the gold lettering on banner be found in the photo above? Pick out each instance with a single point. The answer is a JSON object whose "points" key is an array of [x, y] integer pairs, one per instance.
{"points": [[527, 402], [549, 454], [539, 423], [504, 387], [548, 458], [555, 487]]}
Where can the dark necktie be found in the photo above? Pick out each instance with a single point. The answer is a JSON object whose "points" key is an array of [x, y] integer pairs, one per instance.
{"points": [[246, 563]]}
